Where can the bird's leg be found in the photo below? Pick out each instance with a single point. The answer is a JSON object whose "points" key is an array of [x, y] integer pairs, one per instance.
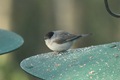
{"points": [[56, 52]]}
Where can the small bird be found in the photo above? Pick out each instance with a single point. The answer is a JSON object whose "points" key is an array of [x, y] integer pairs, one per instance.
{"points": [[60, 40]]}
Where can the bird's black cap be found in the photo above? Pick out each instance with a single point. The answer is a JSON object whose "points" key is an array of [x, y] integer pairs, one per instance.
{"points": [[48, 35]]}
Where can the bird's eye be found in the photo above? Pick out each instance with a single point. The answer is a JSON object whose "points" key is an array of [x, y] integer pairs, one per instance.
{"points": [[49, 35]]}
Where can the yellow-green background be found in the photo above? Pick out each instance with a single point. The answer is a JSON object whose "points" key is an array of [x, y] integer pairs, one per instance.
{"points": [[33, 18]]}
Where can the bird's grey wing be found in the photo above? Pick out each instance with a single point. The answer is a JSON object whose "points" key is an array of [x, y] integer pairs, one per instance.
{"points": [[73, 38], [65, 37]]}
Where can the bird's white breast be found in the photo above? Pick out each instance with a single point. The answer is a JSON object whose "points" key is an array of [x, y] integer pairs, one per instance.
{"points": [[58, 47]]}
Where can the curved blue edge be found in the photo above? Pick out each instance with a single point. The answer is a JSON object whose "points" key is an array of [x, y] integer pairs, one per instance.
{"points": [[101, 62], [9, 41]]}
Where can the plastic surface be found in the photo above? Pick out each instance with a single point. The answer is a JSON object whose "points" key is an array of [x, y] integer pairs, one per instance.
{"points": [[100, 62], [9, 41]]}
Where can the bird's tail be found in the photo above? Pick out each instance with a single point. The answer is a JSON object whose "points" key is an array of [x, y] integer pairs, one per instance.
{"points": [[79, 36], [85, 35]]}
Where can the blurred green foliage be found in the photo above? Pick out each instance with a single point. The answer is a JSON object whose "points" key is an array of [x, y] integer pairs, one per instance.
{"points": [[33, 18]]}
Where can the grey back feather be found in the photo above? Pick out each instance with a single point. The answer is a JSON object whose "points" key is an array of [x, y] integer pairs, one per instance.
{"points": [[62, 37]]}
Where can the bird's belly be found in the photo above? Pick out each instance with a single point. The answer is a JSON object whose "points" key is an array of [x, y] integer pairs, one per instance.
{"points": [[60, 47]]}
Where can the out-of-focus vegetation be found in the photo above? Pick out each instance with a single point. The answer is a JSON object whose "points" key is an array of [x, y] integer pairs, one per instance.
{"points": [[33, 18]]}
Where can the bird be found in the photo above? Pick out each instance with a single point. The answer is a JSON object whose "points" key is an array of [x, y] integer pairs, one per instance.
{"points": [[60, 41]]}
